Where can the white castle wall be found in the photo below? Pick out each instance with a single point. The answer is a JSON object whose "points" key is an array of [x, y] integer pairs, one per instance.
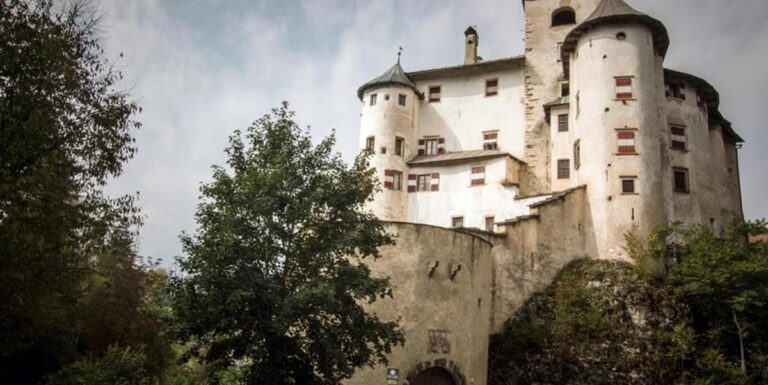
{"points": [[599, 57], [464, 112], [385, 121]]}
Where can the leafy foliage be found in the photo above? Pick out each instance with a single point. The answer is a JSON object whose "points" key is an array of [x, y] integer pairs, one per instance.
{"points": [[598, 323], [274, 281], [117, 367], [64, 131]]}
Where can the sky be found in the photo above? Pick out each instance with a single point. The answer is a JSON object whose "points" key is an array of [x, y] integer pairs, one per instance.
{"points": [[201, 69]]}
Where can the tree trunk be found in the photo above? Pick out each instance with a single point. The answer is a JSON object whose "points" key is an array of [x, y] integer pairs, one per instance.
{"points": [[741, 343]]}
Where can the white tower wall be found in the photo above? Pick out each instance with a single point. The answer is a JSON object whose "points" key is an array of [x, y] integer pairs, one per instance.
{"points": [[600, 57], [386, 121]]}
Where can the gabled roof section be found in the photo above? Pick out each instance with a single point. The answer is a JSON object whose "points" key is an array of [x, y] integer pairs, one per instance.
{"points": [[459, 157], [610, 12], [468, 69], [394, 75]]}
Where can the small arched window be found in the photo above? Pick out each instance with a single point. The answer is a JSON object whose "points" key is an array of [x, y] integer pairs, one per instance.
{"points": [[563, 16]]}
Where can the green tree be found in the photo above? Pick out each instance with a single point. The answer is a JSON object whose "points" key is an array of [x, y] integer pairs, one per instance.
{"points": [[275, 281], [64, 130]]}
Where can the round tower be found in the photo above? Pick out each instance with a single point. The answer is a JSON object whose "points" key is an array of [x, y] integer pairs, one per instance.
{"points": [[390, 106], [614, 60]]}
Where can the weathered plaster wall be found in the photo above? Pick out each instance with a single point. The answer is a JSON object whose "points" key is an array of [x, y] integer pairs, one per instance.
{"points": [[543, 74], [536, 249], [456, 196], [464, 112], [561, 147], [454, 310], [600, 56], [385, 121]]}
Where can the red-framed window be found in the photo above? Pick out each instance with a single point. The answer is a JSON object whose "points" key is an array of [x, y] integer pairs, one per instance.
{"points": [[478, 176], [623, 87], [626, 142], [393, 180]]}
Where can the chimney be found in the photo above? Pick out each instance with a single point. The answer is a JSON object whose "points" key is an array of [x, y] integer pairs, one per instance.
{"points": [[471, 40]]}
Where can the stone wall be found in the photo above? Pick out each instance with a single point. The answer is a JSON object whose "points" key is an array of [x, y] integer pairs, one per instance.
{"points": [[445, 314]]}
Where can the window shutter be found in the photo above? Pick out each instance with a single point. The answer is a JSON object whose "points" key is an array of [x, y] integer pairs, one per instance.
{"points": [[389, 179], [626, 142], [422, 144], [440, 145], [412, 183], [478, 176], [435, 181], [624, 88]]}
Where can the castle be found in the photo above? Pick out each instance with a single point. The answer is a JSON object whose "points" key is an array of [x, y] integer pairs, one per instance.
{"points": [[496, 173]]}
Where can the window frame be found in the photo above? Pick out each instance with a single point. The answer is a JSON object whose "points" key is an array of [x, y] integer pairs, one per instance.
{"points": [[687, 181], [494, 92], [676, 144], [577, 154], [370, 143], [372, 99], [562, 123], [399, 146], [428, 182], [460, 219], [402, 99], [623, 134], [397, 180], [633, 180], [563, 173], [477, 170], [492, 226], [430, 94], [431, 150], [560, 11], [491, 140]]}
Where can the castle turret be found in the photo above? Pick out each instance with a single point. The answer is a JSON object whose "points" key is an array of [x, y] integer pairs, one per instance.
{"points": [[388, 129], [614, 61], [471, 41]]}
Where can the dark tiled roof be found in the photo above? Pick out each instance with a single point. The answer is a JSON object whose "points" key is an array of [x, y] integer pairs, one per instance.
{"points": [[468, 69], [394, 75], [458, 157], [615, 12]]}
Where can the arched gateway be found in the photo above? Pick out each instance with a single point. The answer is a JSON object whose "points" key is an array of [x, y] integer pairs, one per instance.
{"points": [[438, 372]]}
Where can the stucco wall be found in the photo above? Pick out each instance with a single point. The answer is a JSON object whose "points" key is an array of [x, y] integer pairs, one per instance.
{"points": [[600, 57], [543, 73], [385, 121], [456, 196], [536, 249], [464, 112], [456, 310]]}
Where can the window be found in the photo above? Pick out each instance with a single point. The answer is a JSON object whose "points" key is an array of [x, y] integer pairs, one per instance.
{"points": [[701, 99], [386, 96], [490, 141], [489, 223], [434, 94], [621, 36], [383, 149], [678, 137], [565, 89], [399, 144], [681, 180], [478, 176], [369, 143], [623, 87], [577, 154], [373, 100], [675, 91], [628, 185], [578, 104], [393, 180], [431, 146], [457, 222], [563, 169], [562, 123], [563, 16], [626, 142], [423, 182], [492, 87], [401, 99]]}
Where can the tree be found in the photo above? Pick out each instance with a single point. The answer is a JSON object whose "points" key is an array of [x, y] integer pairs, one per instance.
{"points": [[275, 281], [64, 130]]}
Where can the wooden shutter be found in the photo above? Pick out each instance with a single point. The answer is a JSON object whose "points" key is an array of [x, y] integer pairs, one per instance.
{"points": [[389, 179], [441, 145], [422, 150], [626, 142], [624, 88], [478, 176], [412, 182], [435, 181]]}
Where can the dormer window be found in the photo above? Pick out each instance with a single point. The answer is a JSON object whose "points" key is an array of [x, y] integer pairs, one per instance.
{"points": [[490, 140], [563, 16], [434, 94]]}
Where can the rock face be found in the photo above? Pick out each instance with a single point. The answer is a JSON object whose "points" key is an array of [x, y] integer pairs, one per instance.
{"points": [[598, 323]]}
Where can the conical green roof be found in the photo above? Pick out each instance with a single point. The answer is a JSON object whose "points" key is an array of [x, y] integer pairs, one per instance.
{"points": [[615, 12], [394, 75]]}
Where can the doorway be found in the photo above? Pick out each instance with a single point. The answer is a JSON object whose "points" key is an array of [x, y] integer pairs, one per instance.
{"points": [[434, 376]]}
